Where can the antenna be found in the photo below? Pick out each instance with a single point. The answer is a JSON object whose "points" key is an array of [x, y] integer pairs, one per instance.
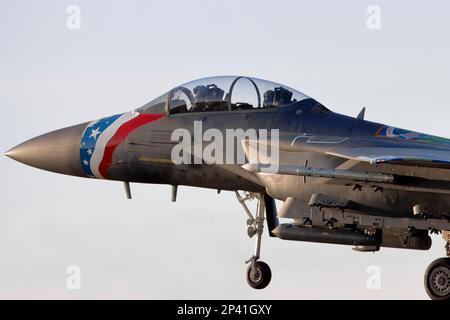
{"points": [[361, 114]]}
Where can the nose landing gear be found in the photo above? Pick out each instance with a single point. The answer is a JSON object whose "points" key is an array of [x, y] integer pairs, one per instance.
{"points": [[258, 275], [258, 272]]}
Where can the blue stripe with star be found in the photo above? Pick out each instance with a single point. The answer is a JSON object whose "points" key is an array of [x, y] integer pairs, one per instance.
{"points": [[89, 141]]}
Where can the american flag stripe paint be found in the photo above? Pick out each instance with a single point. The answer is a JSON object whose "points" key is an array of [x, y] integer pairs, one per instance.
{"points": [[89, 141], [101, 138], [120, 135]]}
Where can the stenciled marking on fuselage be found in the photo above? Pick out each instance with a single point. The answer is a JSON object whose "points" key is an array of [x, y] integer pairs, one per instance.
{"points": [[155, 160], [319, 139], [398, 133], [101, 137]]}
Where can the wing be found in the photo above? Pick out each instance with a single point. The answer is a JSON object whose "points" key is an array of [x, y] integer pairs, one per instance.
{"points": [[338, 157], [378, 150], [401, 156], [389, 163]]}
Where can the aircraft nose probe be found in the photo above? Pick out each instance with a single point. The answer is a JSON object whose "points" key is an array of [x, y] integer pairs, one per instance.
{"points": [[57, 151]]}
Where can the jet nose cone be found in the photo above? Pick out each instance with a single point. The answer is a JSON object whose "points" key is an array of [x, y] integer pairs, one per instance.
{"points": [[10, 153], [57, 151]]}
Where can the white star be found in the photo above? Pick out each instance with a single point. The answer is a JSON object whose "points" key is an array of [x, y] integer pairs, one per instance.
{"points": [[85, 162], [94, 133], [90, 152]]}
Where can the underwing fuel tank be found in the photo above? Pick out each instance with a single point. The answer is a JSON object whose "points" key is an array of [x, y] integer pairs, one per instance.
{"points": [[288, 231], [357, 238]]}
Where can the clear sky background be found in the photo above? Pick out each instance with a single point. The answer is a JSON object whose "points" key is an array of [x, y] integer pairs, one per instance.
{"points": [[129, 52]]}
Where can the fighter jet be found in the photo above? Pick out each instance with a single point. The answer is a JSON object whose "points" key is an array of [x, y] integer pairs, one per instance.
{"points": [[342, 180]]}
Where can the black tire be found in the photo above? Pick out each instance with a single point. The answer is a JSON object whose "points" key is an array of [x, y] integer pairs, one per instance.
{"points": [[263, 275], [437, 279]]}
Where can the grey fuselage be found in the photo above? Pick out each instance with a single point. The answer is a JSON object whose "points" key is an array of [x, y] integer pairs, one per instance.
{"points": [[144, 155]]}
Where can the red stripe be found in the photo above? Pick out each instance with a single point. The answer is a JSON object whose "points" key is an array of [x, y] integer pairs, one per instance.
{"points": [[121, 135]]}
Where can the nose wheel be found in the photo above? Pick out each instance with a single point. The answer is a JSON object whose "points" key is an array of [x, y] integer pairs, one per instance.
{"points": [[258, 273]]}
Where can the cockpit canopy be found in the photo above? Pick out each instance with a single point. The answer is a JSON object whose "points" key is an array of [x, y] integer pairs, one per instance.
{"points": [[227, 93]]}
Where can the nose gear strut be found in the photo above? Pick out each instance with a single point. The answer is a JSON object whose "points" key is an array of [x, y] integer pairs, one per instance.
{"points": [[258, 273]]}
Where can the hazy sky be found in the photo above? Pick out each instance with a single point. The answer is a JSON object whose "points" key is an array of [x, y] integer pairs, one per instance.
{"points": [[129, 52]]}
